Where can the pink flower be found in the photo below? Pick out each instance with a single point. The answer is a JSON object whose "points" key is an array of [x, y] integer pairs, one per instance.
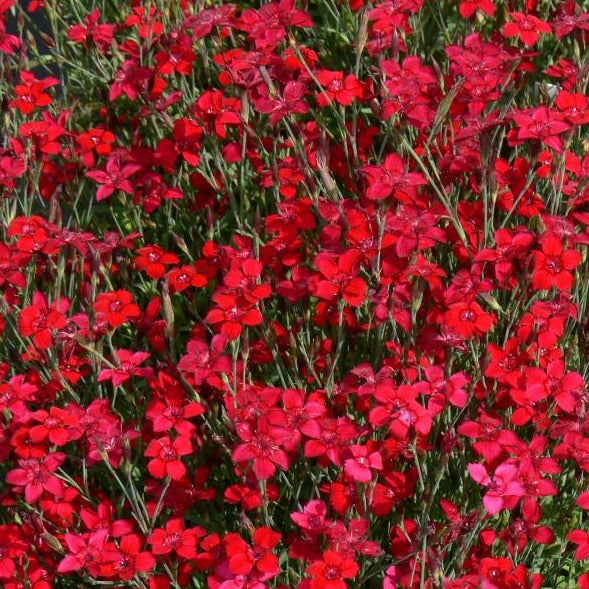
{"points": [[114, 177], [312, 519], [503, 490], [264, 447], [540, 123], [35, 475], [360, 464], [128, 365], [83, 551]]}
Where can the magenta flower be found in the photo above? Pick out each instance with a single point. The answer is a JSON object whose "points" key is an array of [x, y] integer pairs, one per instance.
{"points": [[503, 490]]}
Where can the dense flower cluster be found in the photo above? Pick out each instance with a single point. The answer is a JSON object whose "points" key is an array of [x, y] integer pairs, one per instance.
{"points": [[294, 294]]}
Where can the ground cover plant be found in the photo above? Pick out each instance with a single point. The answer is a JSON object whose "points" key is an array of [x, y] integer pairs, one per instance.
{"points": [[294, 294]]}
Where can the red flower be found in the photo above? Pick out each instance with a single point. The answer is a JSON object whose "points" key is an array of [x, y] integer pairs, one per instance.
{"points": [[267, 25], [290, 103], [216, 112], [59, 426], [554, 265], [101, 34], [178, 57], [128, 365], [299, 416], [94, 140], [133, 80], [174, 538], [166, 455], [444, 390], [359, 467], [39, 320], [30, 95], [232, 313], [15, 390], [570, 17], [128, 560], [84, 552], [331, 570], [44, 135], [511, 247], [34, 474], [185, 141], [525, 26], [468, 319], [351, 540], [566, 388], [538, 123], [204, 363], [146, 19], [492, 439], [468, 7], [12, 547], [117, 306], [202, 24], [505, 364], [114, 177], [9, 44], [416, 231], [397, 487], [173, 411], [398, 408], [390, 178], [581, 538], [583, 500], [105, 518], [243, 278], [60, 508], [33, 233], [573, 106], [340, 278], [334, 435], [337, 88], [186, 276], [153, 259], [263, 447], [244, 559]]}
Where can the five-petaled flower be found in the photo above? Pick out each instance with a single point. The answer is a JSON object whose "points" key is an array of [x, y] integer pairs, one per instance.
{"points": [[166, 456], [117, 306], [40, 320], [554, 265], [36, 476], [114, 177], [540, 123], [31, 94], [332, 570], [525, 26], [503, 489], [174, 537]]}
